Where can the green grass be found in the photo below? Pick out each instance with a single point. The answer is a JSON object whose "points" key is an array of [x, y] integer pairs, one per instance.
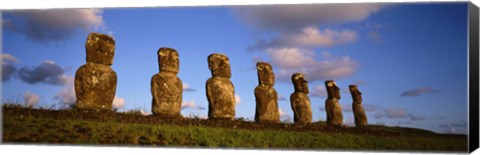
{"points": [[26, 128]]}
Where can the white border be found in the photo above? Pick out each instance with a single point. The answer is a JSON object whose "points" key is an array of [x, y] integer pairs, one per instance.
{"points": [[48, 4], [52, 149]]}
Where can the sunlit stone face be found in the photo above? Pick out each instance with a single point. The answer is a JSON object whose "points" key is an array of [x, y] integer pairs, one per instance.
{"points": [[168, 60], [100, 48], [265, 74], [299, 83], [332, 89], [219, 65], [356, 94]]}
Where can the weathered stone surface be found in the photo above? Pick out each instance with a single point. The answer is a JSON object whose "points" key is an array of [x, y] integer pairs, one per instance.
{"points": [[95, 81], [100, 48], [265, 95], [333, 108], [166, 87], [358, 112], [300, 102], [219, 88]]}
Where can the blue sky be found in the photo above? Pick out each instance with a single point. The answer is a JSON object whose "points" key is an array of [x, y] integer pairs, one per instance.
{"points": [[409, 60]]}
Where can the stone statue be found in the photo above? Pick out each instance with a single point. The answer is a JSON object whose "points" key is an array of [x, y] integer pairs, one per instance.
{"points": [[95, 81], [219, 88], [265, 95], [300, 102], [358, 112], [166, 87], [333, 108]]}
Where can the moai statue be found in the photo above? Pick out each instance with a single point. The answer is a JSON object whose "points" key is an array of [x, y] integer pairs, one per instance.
{"points": [[166, 87], [333, 108], [300, 102], [358, 112], [95, 81], [265, 95], [219, 88]]}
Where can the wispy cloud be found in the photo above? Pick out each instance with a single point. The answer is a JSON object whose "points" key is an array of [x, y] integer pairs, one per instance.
{"points": [[366, 107], [460, 124], [375, 36], [396, 113], [238, 100], [346, 107], [418, 92], [455, 127], [296, 32], [47, 72], [319, 91], [66, 96], [30, 99], [293, 17], [374, 31], [281, 98], [403, 122], [55, 25], [187, 88], [118, 102], [371, 107], [380, 123], [349, 121], [416, 117], [308, 37], [379, 115], [192, 105], [8, 66], [291, 60], [284, 116]]}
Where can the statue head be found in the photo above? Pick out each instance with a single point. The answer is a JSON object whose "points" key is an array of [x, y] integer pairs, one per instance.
{"points": [[332, 89], [168, 60], [356, 94], [265, 74], [100, 48], [299, 83], [219, 65]]}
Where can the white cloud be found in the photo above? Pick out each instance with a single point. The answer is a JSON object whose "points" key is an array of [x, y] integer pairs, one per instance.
{"points": [[309, 37], [188, 104], [8, 58], [288, 17], [375, 36], [56, 24], [281, 98], [237, 99], [118, 102], [416, 117], [186, 87], [313, 37], [319, 91], [142, 112], [321, 108], [191, 104], [349, 121], [284, 116], [8, 66], [346, 107], [30, 99], [418, 91], [66, 96], [291, 60], [396, 113]]}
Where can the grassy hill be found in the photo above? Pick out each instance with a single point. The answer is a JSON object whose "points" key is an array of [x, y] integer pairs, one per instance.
{"points": [[75, 127]]}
